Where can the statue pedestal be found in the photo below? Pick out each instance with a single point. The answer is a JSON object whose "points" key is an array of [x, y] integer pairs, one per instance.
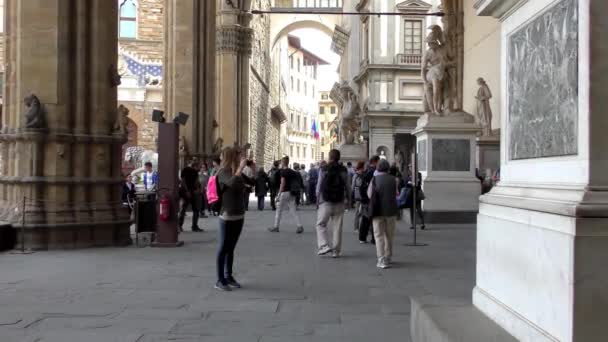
{"points": [[488, 154], [446, 150], [353, 153]]}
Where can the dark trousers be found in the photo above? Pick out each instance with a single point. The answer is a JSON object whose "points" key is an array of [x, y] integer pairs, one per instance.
{"points": [[298, 197], [185, 202], [261, 200], [246, 198], [365, 228], [229, 231], [420, 214], [312, 193], [273, 199]]}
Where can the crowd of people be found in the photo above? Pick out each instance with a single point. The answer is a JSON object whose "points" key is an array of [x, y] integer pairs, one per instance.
{"points": [[375, 190]]}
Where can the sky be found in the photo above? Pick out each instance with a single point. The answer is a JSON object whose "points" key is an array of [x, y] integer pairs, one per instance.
{"points": [[319, 43]]}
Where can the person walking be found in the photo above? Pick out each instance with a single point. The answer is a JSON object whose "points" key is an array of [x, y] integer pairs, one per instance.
{"points": [[189, 193], [274, 177], [128, 193], [366, 227], [419, 198], [357, 187], [304, 192], [203, 179], [384, 208], [297, 190], [333, 191], [313, 178], [288, 190], [248, 172], [150, 177], [231, 187], [261, 187], [351, 175]]}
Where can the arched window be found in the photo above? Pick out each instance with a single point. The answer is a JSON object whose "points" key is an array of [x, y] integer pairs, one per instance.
{"points": [[128, 18]]}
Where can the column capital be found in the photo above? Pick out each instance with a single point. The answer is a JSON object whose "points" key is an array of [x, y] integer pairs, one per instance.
{"points": [[234, 39]]}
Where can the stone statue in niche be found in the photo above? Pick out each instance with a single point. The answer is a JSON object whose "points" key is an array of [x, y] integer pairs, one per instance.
{"points": [[350, 121], [435, 63], [122, 120], [484, 111], [115, 77], [382, 154], [34, 113]]}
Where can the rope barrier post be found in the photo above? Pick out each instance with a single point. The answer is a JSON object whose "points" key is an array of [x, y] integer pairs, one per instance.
{"points": [[23, 226]]}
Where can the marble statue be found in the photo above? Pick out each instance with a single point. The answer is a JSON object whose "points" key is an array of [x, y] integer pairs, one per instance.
{"points": [[399, 160], [34, 114], [183, 148], [350, 122], [122, 120], [434, 74], [484, 111], [217, 147], [382, 155]]}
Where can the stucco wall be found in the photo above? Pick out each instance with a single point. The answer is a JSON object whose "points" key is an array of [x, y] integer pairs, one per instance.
{"points": [[481, 59]]}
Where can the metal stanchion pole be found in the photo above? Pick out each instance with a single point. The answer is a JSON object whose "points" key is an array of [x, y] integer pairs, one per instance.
{"points": [[415, 200], [23, 212]]}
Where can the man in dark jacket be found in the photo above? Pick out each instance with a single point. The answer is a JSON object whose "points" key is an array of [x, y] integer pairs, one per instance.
{"points": [[274, 176], [189, 194], [365, 227]]}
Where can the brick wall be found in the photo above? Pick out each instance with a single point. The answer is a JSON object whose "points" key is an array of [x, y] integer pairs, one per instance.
{"points": [[150, 26]]}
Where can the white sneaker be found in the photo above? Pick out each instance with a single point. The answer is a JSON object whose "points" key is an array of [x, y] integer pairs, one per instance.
{"points": [[324, 250], [335, 254], [379, 263], [382, 263]]}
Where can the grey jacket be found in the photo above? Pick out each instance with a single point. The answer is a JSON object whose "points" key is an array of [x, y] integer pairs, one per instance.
{"points": [[385, 186], [231, 190]]}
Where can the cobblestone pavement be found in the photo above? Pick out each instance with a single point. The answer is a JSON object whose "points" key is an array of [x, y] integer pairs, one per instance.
{"points": [[152, 295]]}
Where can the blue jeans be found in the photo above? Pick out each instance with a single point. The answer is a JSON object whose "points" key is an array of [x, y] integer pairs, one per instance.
{"points": [[230, 231]]}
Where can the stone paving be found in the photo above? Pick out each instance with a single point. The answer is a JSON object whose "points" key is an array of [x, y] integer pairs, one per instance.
{"points": [[153, 295]]}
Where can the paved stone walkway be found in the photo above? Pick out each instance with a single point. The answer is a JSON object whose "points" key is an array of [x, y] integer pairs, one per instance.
{"points": [[152, 295]]}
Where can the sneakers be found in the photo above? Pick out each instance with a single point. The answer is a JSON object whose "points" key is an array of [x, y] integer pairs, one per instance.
{"points": [[222, 286], [233, 283], [197, 229], [273, 229], [300, 230], [362, 242], [324, 250], [335, 254], [382, 263]]}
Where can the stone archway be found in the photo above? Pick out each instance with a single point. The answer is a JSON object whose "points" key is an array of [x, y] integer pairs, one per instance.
{"points": [[282, 26]]}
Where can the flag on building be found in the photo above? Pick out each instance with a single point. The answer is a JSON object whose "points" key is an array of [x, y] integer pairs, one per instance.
{"points": [[315, 130]]}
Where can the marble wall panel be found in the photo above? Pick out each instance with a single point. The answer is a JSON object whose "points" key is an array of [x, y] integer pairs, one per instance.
{"points": [[422, 155], [543, 84], [451, 154]]}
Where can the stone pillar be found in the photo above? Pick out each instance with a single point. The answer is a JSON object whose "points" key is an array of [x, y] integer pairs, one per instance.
{"points": [[59, 149], [234, 39], [446, 152], [542, 236], [189, 79]]}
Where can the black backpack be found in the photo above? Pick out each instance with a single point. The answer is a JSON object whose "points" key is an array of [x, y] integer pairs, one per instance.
{"points": [[334, 187]]}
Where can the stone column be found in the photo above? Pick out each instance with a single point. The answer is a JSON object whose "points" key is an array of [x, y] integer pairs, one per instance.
{"points": [[189, 78], [58, 148], [234, 39], [542, 236]]}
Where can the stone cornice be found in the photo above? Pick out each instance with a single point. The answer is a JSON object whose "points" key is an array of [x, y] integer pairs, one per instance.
{"points": [[22, 135], [497, 8]]}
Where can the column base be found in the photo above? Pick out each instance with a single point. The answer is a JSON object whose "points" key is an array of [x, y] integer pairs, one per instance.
{"points": [[75, 236]]}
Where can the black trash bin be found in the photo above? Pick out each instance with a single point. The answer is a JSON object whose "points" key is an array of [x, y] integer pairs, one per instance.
{"points": [[145, 212], [8, 237]]}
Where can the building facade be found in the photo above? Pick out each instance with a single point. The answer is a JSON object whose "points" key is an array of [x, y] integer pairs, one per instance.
{"points": [[302, 102], [328, 112]]}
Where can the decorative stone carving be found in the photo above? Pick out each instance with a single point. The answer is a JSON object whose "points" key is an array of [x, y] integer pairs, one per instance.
{"points": [[34, 113], [435, 63], [349, 118], [115, 77], [122, 120], [484, 111], [217, 147], [542, 70], [234, 39], [399, 160]]}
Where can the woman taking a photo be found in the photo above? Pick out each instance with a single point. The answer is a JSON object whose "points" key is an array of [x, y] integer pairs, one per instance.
{"points": [[231, 189]]}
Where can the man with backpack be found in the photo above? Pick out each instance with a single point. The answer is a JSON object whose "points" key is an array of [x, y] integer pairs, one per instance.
{"points": [[289, 188], [333, 190]]}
